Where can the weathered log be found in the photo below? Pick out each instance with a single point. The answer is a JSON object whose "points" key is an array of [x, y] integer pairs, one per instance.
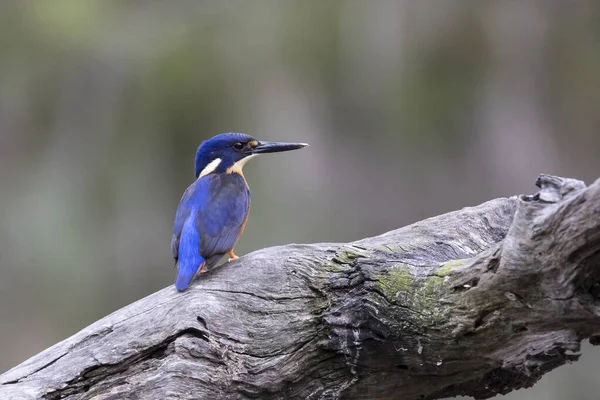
{"points": [[476, 302]]}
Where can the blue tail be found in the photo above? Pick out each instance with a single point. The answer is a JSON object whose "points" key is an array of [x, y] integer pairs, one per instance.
{"points": [[189, 260]]}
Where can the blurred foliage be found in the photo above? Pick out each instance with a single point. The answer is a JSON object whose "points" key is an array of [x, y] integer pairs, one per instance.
{"points": [[412, 108]]}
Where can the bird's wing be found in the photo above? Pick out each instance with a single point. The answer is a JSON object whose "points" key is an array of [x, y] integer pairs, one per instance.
{"points": [[221, 220], [183, 212]]}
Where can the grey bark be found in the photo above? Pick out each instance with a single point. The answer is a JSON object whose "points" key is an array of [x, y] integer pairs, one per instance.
{"points": [[476, 302]]}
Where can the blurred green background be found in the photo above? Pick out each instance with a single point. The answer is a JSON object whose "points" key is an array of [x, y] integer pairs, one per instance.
{"points": [[412, 108]]}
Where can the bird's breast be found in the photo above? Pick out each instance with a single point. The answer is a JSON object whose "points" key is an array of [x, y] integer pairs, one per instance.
{"points": [[229, 187], [222, 212], [224, 202]]}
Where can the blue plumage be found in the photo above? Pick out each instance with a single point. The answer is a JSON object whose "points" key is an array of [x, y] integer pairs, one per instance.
{"points": [[213, 211], [190, 259], [209, 221], [213, 148]]}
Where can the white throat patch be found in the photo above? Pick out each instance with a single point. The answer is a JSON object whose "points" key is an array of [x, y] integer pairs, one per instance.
{"points": [[210, 167], [237, 167]]}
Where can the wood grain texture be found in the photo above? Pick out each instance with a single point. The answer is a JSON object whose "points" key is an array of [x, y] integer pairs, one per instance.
{"points": [[476, 302]]}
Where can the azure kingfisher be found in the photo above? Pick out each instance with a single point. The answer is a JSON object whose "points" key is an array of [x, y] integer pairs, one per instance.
{"points": [[214, 209]]}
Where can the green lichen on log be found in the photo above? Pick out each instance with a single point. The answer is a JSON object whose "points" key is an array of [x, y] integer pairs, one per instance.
{"points": [[433, 284], [420, 294], [343, 260], [398, 279], [447, 268]]}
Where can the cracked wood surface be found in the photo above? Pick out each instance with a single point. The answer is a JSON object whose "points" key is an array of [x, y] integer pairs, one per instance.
{"points": [[476, 302]]}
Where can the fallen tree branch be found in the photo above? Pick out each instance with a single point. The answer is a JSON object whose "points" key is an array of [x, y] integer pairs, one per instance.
{"points": [[476, 302]]}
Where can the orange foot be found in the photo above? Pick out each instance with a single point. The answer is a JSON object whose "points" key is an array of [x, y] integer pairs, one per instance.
{"points": [[201, 270], [232, 256]]}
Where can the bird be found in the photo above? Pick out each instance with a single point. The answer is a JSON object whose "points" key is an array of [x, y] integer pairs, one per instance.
{"points": [[214, 209]]}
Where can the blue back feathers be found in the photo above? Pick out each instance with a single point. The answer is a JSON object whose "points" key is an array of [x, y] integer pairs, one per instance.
{"points": [[219, 147]]}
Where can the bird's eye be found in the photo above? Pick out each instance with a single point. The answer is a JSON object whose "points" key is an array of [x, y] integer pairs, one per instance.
{"points": [[239, 146]]}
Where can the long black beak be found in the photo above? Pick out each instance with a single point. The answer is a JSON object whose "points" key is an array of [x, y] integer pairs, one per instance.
{"points": [[275, 147]]}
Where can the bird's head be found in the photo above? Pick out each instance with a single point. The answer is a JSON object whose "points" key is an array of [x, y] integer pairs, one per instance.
{"points": [[228, 152]]}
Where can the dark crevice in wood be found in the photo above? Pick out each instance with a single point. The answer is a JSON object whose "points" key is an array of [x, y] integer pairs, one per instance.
{"points": [[467, 285], [517, 328], [49, 363], [97, 373], [201, 321]]}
